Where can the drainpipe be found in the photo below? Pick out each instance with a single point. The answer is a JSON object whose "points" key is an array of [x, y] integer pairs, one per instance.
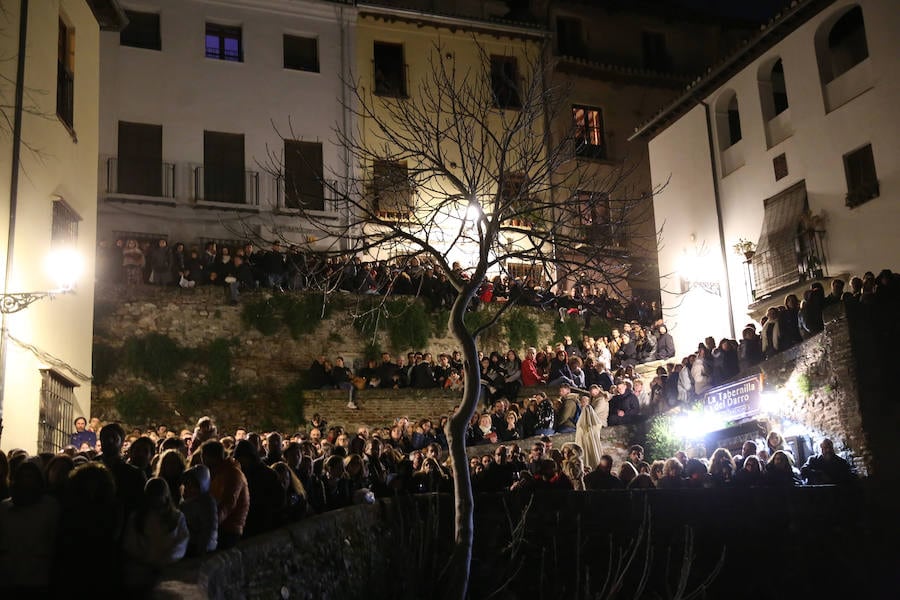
{"points": [[344, 125], [13, 193], [718, 198]]}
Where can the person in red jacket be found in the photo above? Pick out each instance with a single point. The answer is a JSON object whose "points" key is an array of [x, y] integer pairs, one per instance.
{"points": [[229, 488], [530, 375]]}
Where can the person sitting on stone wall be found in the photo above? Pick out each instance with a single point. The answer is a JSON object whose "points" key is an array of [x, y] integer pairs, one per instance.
{"points": [[827, 467], [624, 407]]}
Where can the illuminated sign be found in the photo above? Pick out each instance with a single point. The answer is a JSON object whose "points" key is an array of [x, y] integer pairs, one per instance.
{"points": [[736, 400]]}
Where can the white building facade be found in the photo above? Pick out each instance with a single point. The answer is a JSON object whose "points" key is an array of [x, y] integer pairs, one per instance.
{"points": [[791, 145], [218, 119], [48, 211]]}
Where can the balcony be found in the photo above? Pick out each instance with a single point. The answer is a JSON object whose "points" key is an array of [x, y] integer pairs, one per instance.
{"points": [[225, 188], [322, 200], [139, 181], [390, 80], [783, 265]]}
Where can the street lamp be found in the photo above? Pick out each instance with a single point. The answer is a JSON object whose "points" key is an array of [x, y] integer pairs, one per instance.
{"points": [[64, 267]]}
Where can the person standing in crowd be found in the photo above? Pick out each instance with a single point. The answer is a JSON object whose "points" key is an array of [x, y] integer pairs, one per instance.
{"points": [[82, 435]]}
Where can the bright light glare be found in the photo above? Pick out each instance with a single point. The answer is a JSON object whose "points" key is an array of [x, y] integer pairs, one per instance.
{"points": [[695, 425], [770, 402], [64, 267], [473, 212]]}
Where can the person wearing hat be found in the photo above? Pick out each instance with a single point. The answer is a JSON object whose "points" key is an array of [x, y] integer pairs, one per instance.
{"points": [[200, 510]]}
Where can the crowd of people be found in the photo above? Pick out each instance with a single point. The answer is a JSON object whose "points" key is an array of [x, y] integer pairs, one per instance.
{"points": [[139, 502], [281, 268]]}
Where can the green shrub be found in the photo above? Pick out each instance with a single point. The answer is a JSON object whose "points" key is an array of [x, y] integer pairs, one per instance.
{"points": [[104, 362], [520, 329], [371, 351], [302, 314], [368, 314], [661, 442], [154, 355], [217, 355], [407, 324], [137, 406], [599, 328], [571, 327], [440, 322], [262, 315], [293, 402]]}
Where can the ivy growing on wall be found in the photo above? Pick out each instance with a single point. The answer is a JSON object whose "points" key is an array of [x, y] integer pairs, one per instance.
{"points": [[137, 405], [520, 329], [155, 356], [301, 314]]}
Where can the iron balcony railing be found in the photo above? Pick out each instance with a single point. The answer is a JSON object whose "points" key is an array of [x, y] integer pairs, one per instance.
{"points": [[782, 265], [390, 81], [140, 177], [214, 183], [321, 197]]}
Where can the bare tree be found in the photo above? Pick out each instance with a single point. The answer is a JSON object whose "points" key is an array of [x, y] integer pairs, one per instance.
{"points": [[461, 169]]}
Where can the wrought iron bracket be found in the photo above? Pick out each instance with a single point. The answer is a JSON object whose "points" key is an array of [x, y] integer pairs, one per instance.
{"points": [[12, 303]]}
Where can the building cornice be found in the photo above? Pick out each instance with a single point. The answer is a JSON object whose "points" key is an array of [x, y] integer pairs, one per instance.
{"points": [[519, 30], [109, 14], [782, 25]]}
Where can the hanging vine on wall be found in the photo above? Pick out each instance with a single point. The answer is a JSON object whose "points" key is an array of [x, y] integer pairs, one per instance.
{"points": [[301, 314]]}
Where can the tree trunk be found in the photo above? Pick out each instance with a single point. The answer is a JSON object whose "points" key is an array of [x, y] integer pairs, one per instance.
{"points": [[456, 577]]}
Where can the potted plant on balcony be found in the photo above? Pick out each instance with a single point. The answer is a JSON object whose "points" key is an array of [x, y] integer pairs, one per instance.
{"points": [[745, 247]]}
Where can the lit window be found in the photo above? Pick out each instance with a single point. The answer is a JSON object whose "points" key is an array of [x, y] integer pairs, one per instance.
{"points": [[224, 43], [588, 132]]}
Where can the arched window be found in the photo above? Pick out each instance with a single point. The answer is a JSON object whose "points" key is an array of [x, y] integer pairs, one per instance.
{"points": [[734, 121], [728, 120], [843, 45], [779, 91]]}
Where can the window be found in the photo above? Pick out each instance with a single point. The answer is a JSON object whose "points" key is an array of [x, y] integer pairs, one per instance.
{"points": [[569, 38], [734, 122], [524, 272], [65, 75], [142, 31], [223, 167], [653, 47], [779, 90], [55, 414], [596, 218], [303, 177], [862, 181], [224, 43], [301, 53], [588, 132], [780, 166], [139, 164], [780, 250], [847, 45], [64, 229], [389, 70], [392, 197], [505, 81]]}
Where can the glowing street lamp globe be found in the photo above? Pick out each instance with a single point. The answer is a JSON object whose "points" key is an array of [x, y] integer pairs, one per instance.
{"points": [[64, 266]]}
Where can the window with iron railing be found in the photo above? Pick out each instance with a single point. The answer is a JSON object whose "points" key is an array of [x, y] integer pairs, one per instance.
{"points": [[55, 411], [392, 191], [64, 230], [224, 43], [587, 134], [223, 175]]}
